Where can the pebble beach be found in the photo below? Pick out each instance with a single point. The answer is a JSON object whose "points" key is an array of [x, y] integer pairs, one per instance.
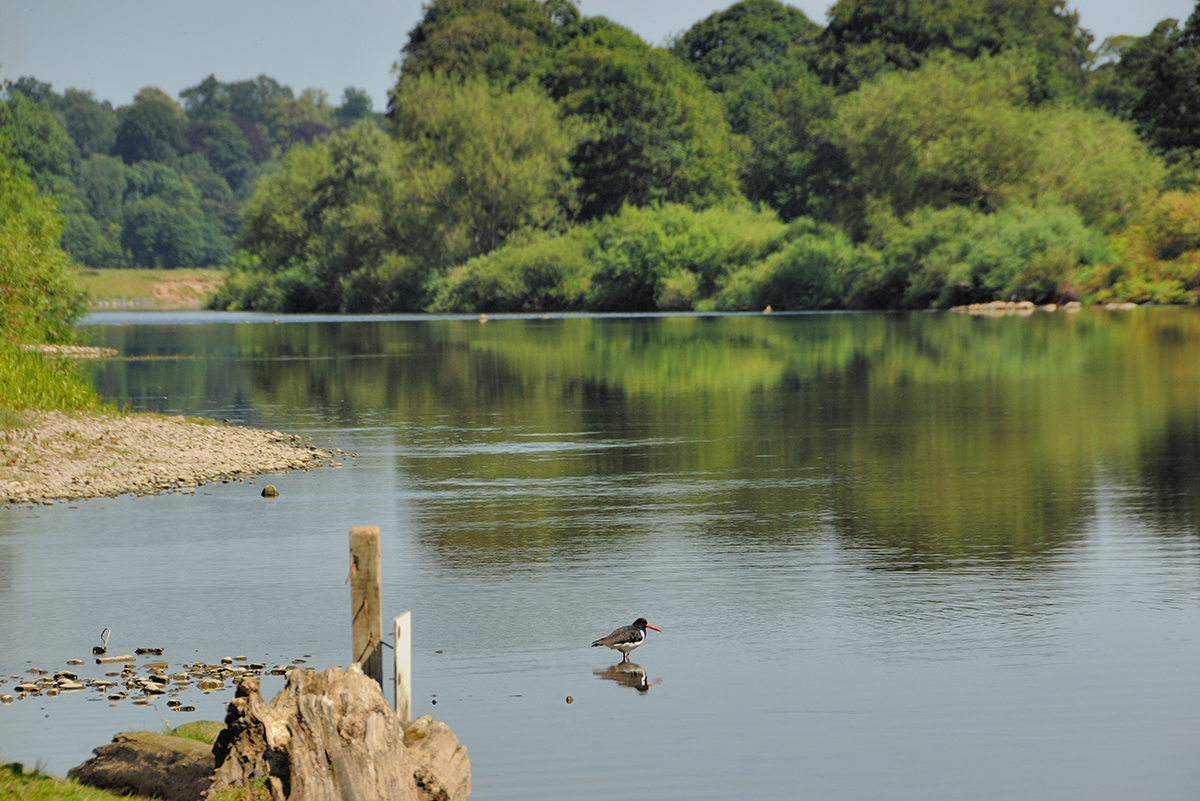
{"points": [[50, 456]]}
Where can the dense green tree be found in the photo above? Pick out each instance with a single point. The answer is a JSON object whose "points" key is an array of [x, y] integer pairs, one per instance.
{"points": [[503, 40], [356, 104], [163, 224], [744, 37], [951, 256], [363, 221], [1156, 83], [103, 181], [152, 129], [493, 162], [957, 132], [866, 37], [660, 134], [93, 243], [35, 137], [224, 145], [40, 301], [797, 165], [218, 202], [91, 124], [211, 99]]}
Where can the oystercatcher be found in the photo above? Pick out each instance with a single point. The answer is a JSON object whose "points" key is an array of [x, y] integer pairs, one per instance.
{"points": [[626, 638]]}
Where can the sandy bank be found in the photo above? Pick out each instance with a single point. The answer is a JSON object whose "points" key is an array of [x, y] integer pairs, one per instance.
{"points": [[52, 455]]}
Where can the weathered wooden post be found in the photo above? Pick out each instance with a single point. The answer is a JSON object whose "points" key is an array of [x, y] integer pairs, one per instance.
{"points": [[402, 637], [366, 600]]}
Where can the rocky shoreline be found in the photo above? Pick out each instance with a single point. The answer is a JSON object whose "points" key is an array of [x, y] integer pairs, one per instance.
{"points": [[50, 456]]}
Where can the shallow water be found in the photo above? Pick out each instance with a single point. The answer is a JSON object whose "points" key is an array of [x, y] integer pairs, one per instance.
{"points": [[920, 556]]}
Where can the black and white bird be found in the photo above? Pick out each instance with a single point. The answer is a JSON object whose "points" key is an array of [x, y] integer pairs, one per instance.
{"points": [[626, 638]]}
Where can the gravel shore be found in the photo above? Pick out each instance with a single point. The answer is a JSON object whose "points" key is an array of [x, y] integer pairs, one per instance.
{"points": [[50, 455]]}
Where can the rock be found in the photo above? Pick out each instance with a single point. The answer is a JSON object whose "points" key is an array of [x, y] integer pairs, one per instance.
{"points": [[332, 735], [150, 764], [269, 491]]}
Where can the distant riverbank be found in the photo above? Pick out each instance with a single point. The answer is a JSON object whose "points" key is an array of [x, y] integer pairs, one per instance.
{"points": [[150, 290], [48, 456]]}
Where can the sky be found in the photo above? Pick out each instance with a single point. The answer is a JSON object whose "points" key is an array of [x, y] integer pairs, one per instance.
{"points": [[116, 47]]}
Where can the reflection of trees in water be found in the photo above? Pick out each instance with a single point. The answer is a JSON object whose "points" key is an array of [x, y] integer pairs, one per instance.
{"points": [[930, 439], [1170, 477]]}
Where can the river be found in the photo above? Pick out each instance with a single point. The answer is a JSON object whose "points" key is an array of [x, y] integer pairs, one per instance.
{"points": [[921, 556]]}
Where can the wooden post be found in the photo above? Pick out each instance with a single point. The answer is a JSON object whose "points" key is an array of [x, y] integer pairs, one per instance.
{"points": [[366, 600], [402, 638]]}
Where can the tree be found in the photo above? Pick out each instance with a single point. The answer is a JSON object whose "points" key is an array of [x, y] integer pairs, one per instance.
{"points": [[1156, 83], [35, 137], [363, 221], [224, 145], [491, 162], [356, 104], [163, 224], [91, 124], [957, 132], [660, 134], [505, 40], [40, 301], [797, 164], [744, 37], [866, 37], [151, 129], [103, 181]]}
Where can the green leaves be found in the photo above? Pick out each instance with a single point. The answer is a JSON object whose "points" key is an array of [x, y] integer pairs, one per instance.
{"points": [[39, 299]]}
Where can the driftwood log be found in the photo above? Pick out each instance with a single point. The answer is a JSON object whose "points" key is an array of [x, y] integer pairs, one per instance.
{"points": [[332, 736]]}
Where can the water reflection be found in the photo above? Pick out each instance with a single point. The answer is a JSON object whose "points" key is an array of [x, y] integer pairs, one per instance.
{"points": [[628, 674], [926, 441]]}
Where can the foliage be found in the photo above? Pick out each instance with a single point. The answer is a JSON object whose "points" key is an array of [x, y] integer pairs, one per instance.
{"points": [[1158, 256], [35, 136], [488, 163], [1156, 83], [362, 222], [39, 300], [806, 274], [642, 259], [660, 134], [865, 38], [954, 256], [226, 150], [505, 41], [152, 129], [958, 132], [547, 274], [162, 222], [796, 165], [745, 37]]}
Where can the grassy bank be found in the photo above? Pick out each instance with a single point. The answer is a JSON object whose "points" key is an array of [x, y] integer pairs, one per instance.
{"points": [[150, 289], [18, 784]]}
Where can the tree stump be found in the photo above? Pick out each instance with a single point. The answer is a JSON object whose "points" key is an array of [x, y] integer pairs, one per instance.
{"points": [[332, 736]]}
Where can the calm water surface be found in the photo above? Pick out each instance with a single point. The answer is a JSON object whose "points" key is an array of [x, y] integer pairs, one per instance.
{"points": [[902, 557]]}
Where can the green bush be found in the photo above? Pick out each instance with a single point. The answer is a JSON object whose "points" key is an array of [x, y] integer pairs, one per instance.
{"points": [[955, 256], [549, 274], [809, 273]]}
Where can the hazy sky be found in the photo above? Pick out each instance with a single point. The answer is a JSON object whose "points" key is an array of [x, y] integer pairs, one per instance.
{"points": [[115, 47]]}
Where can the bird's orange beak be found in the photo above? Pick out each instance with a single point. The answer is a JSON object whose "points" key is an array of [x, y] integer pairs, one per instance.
{"points": [[656, 628]]}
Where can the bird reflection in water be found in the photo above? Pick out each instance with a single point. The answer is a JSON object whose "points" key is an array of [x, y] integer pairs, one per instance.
{"points": [[628, 674]]}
